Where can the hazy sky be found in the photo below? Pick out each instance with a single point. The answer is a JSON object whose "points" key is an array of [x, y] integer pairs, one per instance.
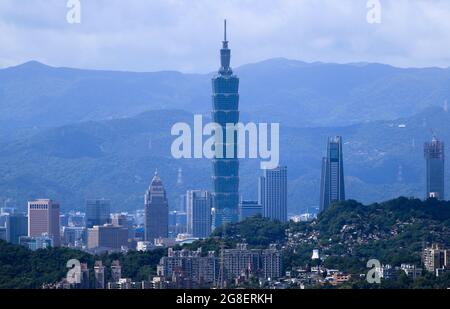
{"points": [[149, 35]]}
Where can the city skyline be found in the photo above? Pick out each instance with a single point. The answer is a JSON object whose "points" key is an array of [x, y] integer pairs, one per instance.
{"points": [[107, 182], [433, 151]]}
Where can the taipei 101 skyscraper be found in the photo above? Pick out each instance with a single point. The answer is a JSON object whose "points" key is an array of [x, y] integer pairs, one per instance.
{"points": [[225, 101]]}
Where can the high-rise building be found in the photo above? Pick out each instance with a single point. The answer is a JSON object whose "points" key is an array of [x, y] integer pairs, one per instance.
{"points": [[84, 284], [156, 211], [97, 212], [177, 222], [119, 220], [74, 236], [225, 165], [43, 218], [241, 261], [198, 204], [108, 237], [249, 209], [332, 187], [16, 226], [435, 158], [116, 271], [435, 257], [272, 191], [272, 263], [182, 203], [99, 273], [188, 269]]}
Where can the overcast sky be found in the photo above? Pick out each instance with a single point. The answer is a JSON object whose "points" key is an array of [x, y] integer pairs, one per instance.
{"points": [[151, 35]]}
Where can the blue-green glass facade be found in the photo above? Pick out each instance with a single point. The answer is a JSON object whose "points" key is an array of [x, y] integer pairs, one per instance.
{"points": [[225, 110], [435, 159], [332, 188]]}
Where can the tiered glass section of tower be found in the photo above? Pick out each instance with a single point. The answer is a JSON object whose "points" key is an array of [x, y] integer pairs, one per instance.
{"points": [[226, 168]]}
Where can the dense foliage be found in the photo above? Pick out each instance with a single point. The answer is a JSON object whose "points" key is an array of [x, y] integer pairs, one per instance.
{"points": [[22, 268], [256, 231], [348, 234]]}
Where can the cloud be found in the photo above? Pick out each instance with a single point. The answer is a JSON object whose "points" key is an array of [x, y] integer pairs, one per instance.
{"points": [[185, 35]]}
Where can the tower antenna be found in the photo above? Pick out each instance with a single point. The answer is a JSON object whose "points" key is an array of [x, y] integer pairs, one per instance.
{"points": [[433, 133], [225, 30]]}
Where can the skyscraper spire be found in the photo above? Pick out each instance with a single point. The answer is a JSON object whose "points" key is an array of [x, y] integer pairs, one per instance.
{"points": [[225, 30], [225, 54], [225, 168]]}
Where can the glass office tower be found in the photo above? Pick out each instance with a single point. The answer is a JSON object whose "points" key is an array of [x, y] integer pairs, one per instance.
{"points": [[198, 212], [97, 212], [272, 190], [156, 211], [435, 158], [332, 187], [225, 101]]}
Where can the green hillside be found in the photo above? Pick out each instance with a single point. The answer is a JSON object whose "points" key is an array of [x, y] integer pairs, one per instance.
{"points": [[348, 234], [117, 158], [21, 268]]}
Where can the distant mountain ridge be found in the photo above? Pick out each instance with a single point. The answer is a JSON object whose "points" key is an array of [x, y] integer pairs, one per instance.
{"points": [[291, 92]]}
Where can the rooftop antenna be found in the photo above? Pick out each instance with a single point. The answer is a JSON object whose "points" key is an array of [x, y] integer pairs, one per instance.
{"points": [[225, 30], [434, 135], [225, 53]]}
